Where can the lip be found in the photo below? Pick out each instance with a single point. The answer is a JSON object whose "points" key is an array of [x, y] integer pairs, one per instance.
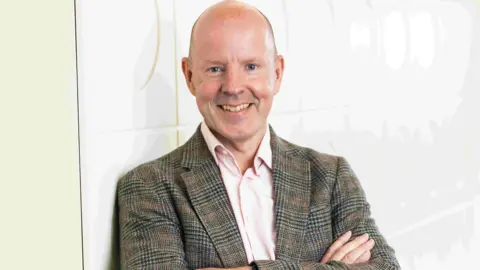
{"points": [[235, 105], [235, 113]]}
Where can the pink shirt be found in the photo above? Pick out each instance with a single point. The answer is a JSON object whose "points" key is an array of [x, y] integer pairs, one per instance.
{"points": [[251, 195]]}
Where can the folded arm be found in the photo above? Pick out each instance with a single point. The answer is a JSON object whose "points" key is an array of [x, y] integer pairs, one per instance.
{"points": [[350, 212]]}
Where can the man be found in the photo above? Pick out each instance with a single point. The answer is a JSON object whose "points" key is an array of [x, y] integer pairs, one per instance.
{"points": [[236, 195]]}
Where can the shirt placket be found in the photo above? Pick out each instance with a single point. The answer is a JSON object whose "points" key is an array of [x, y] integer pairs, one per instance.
{"points": [[243, 198], [246, 206]]}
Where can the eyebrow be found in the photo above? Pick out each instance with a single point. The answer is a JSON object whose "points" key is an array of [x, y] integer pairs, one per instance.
{"points": [[213, 62], [245, 61], [252, 60]]}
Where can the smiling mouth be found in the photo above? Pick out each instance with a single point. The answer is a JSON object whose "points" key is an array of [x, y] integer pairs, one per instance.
{"points": [[239, 108]]}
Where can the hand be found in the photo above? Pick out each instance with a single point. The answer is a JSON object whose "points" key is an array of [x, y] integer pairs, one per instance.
{"points": [[355, 251]]}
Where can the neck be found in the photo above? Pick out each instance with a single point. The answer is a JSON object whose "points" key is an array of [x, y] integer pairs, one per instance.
{"points": [[245, 150]]}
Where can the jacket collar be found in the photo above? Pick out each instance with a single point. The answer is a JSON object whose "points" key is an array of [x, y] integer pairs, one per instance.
{"points": [[291, 182]]}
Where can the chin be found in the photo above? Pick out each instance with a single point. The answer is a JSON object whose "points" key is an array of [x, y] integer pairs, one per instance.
{"points": [[236, 132], [240, 132]]}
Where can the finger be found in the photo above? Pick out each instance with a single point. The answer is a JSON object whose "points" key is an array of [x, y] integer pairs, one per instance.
{"points": [[348, 247], [336, 245], [365, 257], [352, 256]]}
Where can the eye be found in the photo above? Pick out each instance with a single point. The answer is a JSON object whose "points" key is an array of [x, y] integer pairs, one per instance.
{"points": [[252, 66], [215, 69]]}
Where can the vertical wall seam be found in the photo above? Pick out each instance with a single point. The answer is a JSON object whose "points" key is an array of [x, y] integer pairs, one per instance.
{"points": [[175, 53], [78, 127], [286, 22]]}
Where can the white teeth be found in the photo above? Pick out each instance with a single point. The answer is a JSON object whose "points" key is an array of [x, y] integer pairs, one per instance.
{"points": [[236, 108]]}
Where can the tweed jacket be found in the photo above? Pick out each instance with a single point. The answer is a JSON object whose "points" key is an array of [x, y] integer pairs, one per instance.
{"points": [[174, 212]]}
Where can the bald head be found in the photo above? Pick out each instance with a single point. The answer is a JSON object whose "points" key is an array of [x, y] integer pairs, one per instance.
{"points": [[230, 10], [233, 63]]}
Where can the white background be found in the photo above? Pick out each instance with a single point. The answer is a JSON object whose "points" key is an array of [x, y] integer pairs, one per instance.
{"points": [[391, 85]]}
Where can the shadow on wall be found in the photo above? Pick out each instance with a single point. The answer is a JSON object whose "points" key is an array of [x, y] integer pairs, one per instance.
{"points": [[155, 93], [114, 259]]}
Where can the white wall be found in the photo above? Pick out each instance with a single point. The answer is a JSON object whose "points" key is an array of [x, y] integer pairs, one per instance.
{"points": [[40, 215], [391, 85]]}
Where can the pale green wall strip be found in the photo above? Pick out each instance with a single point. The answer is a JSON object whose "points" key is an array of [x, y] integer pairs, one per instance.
{"points": [[39, 164]]}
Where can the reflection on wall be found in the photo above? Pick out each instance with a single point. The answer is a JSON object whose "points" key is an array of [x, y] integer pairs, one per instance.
{"points": [[413, 137], [391, 85]]}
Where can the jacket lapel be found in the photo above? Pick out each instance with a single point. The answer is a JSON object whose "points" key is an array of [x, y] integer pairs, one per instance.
{"points": [[210, 201], [291, 181]]}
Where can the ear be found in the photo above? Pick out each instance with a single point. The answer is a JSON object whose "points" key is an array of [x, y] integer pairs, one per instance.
{"points": [[279, 67], [187, 72]]}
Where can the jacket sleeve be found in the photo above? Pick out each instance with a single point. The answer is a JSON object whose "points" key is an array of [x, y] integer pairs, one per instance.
{"points": [[149, 230], [350, 211]]}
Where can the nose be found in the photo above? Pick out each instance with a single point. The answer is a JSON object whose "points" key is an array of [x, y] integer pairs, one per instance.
{"points": [[233, 83]]}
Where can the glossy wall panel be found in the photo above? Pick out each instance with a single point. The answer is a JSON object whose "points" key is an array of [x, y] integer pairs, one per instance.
{"points": [[391, 85], [128, 108], [127, 68], [114, 154]]}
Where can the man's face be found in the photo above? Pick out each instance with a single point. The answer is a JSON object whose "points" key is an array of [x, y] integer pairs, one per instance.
{"points": [[234, 74]]}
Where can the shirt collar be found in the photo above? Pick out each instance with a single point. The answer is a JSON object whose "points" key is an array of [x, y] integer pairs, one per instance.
{"points": [[264, 152], [211, 140]]}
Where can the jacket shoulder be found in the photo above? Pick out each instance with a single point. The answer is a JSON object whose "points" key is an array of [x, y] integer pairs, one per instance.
{"points": [[156, 170], [316, 158]]}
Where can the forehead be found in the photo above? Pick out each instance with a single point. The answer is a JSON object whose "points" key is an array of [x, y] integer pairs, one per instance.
{"points": [[232, 38]]}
